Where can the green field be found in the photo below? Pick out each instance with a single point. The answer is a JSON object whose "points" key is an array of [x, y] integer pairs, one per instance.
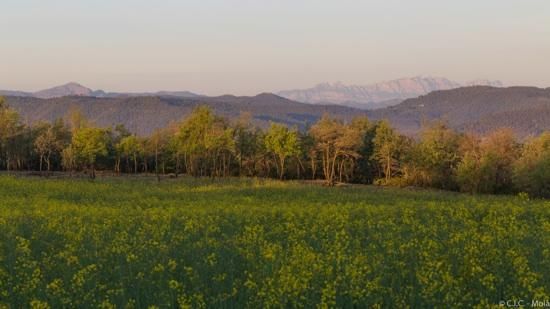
{"points": [[120, 242]]}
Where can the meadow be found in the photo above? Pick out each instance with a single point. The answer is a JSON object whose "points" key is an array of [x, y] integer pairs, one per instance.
{"points": [[254, 243]]}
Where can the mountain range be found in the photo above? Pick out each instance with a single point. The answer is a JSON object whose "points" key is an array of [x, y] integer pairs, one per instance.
{"points": [[143, 114], [377, 95], [470, 108], [76, 89], [475, 109], [373, 96]]}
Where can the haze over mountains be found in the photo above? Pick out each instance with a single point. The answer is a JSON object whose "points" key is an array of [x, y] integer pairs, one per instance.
{"points": [[377, 95]]}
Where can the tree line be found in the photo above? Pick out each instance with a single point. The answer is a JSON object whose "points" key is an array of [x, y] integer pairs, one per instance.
{"points": [[360, 151]]}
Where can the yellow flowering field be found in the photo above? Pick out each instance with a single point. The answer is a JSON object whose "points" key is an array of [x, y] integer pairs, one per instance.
{"points": [[136, 243]]}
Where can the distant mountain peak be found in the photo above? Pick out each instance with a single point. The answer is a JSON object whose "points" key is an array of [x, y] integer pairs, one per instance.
{"points": [[379, 94], [68, 89], [268, 95], [73, 84]]}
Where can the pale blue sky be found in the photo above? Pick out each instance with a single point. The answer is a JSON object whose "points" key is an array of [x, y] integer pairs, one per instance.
{"points": [[249, 46]]}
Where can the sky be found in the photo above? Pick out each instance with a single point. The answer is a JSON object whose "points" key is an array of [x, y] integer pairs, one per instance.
{"points": [[246, 47]]}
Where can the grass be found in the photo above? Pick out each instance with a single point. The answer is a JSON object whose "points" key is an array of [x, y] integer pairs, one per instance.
{"points": [[120, 242]]}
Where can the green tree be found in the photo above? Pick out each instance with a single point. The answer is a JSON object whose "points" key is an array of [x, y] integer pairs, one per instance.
{"points": [[310, 152], [282, 143], [335, 142], [192, 138], [437, 156], [532, 170], [351, 144], [131, 148], [469, 173], [174, 149], [247, 145], [68, 159], [157, 144], [387, 147], [21, 149], [118, 134], [51, 141], [487, 164], [220, 145], [366, 167], [206, 142], [88, 144], [10, 130]]}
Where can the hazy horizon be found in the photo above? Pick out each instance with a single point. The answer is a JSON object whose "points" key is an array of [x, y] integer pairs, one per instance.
{"points": [[215, 47]]}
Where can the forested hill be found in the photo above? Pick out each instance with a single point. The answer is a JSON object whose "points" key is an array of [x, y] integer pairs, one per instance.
{"points": [[479, 109], [142, 115]]}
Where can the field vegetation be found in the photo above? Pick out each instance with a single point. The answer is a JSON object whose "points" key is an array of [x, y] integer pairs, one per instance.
{"points": [[213, 228], [133, 242]]}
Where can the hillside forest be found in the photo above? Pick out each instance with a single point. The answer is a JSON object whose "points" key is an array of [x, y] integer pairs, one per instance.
{"points": [[359, 151]]}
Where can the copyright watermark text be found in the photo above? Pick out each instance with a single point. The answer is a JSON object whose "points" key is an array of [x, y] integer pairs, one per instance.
{"points": [[523, 303]]}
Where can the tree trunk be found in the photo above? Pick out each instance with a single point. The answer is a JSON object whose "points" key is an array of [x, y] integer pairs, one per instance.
{"points": [[326, 170], [92, 174], [388, 168], [340, 170], [177, 165], [241, 165], [157, 163], [313, 168], [48, 164], [333, 169], [282, 169], [8, 161]]}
